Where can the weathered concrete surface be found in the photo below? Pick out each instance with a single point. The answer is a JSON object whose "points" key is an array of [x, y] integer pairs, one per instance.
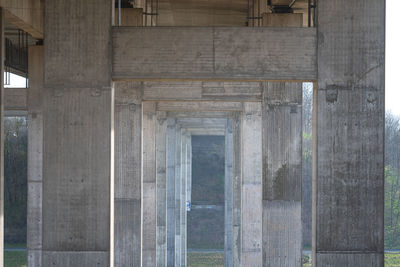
{"points": [[76, 170], [75, 47], [26, 15], [149, 174], [35, 156], [252, 184], [196, 90], [161, 166], [282, 20], [236, 190], [77, 119], [2, 54], [228, 190], [349, 148], [15, 100], [127, 178], [178, 197], [73, 258], [171, 147], [214, 53], [282, 142]]}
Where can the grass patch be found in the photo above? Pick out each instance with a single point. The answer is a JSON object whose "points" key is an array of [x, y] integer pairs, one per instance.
{"points": [[205, 259], [15, 258], [391, 260]]}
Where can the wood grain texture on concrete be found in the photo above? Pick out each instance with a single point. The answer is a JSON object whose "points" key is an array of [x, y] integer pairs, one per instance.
{"points": [[35, 157], [282, 155], [205, 53], [127, 176], [252, 184], [78, 44], [161, 161], [77, 126], [76, 170], [149, 192], [349, 148]]}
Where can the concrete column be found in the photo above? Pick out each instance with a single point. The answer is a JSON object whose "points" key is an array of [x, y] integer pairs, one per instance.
{"points": [[161, 136], [236, 190], [282, 135], [349, 135], [77, 128], [2, 54], [127, 178], [183, 196], [35, 156], [149, 184], [251, 184], [228, 193], [171, 158], [178, 195]]}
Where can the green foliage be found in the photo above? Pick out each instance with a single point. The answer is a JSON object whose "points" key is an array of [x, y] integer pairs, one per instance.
{"points": [[392, 208], [15, 258], [205, 259], [15, 182]]}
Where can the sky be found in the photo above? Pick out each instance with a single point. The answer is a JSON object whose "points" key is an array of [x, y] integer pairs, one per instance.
{"points": [[392, 59]]}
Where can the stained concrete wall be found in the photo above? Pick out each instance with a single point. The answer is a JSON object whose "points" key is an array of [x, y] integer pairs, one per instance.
{"points": [[282, 142], [214, 53], [127, 178], [349, 134], [77, 119], [251, 254], [35, 157]]}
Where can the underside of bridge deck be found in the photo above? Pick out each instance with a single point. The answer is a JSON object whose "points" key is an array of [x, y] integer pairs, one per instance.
{"points": [[116, 89]]}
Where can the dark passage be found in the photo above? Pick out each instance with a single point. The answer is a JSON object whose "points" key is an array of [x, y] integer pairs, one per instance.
{"points": [[206, 218]]}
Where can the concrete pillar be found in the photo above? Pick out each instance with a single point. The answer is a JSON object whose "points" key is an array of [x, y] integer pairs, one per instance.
{"points": [[349, 135], [161, 136], [149, 174], [282, 171], [282, 142], [35, 156], [127, 178], [236, 190], [78, 122], [2, 54], [178, 197], [228, 193], [183, 196], [251, 184], [171, 158]]}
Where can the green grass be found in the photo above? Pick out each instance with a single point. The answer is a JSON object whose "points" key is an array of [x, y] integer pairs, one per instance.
{"points": [[205, 259], [15, 258], [391, 260]]}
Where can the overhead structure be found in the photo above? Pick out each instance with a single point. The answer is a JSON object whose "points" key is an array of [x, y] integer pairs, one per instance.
{"points": [[111, 111]]}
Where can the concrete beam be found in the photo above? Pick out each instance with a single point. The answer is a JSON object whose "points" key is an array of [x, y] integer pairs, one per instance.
{"points": [[212, 53], [26, 15], [15, 101], [348, 176]]}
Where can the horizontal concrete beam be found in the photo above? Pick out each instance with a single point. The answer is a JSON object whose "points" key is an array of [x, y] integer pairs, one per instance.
{"points": [[25, 14], [15, 101], [214, 53]]}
